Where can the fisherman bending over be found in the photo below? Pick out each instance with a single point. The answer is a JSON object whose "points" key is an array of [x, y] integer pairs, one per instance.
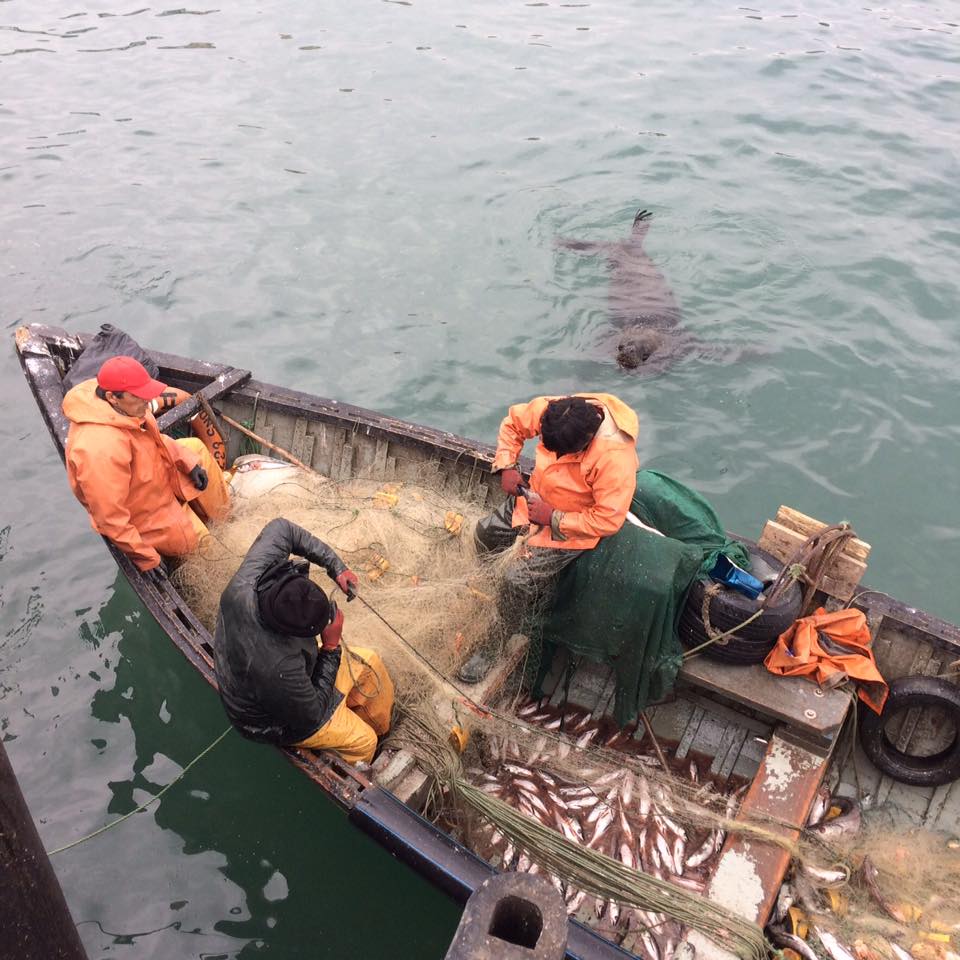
{"points": [[282, 676], [580, 490], [137, 484]]}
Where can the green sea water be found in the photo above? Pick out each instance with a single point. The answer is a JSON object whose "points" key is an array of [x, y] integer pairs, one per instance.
{"points": [[362, 200]]}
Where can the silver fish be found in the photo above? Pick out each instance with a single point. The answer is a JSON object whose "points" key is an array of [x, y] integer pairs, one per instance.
{"points": [[537, 803], [694, 771], [625, 828], [666, 854], [603, 825], [678, 850], [529, 709], [649, 944], [613, 911], [784, 940], [819, 807], [546, 777], [823, 877], [685, 951], [627, 857], [609, 777], [599, 809], [527, 785], [707, 849], [585, 738], [553, 724], [583, 791], [836, 950], [784, 902], [573, 904], [846, 823], [644, 801], [584, 803], [674, 826], [518, 770], [654, 854], [626, 789], [523, 863]]}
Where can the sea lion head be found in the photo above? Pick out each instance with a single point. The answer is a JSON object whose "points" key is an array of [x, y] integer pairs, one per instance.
{"points": [[637, 347]]}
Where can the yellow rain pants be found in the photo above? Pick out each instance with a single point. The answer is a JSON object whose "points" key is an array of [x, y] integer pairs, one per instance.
{"points": [[212, 503], [365, 711]]}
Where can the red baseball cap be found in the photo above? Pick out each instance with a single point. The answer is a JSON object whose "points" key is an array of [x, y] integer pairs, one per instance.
{"points": [[129, 376]]}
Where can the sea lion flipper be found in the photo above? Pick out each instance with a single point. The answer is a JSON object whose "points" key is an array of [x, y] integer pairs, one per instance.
{"points": [[588, 247]]}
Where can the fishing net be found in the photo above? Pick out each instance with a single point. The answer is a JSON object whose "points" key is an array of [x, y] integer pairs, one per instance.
{"points": [[882, 890], [532, 786]]}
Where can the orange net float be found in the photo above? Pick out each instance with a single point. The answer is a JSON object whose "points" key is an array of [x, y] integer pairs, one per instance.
{"points": [[201, 424]]}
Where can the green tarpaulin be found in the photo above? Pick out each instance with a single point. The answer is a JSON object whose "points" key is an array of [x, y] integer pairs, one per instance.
{"points": [[620, 602]]}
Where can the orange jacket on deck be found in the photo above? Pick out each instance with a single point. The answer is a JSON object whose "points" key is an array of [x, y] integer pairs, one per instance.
{"points": [[831, 645], [131, 478], [593, 489]]}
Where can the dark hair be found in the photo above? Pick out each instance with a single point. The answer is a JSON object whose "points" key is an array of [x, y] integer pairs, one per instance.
{"points": [[569, 424], [102, 394]]}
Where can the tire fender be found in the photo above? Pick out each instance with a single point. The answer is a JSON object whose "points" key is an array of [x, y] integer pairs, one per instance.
{"points": [[906, 693]]}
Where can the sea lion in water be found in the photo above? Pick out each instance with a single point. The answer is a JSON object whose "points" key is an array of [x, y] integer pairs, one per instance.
{"points": [[643, 309]]}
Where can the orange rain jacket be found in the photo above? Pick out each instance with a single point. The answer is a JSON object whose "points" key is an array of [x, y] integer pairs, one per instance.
{"points": [[131, 478], [831, 645], [592, 489]]}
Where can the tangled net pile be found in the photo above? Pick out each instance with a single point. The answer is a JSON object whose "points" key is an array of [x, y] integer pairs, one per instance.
{"points": [[883, 891]]}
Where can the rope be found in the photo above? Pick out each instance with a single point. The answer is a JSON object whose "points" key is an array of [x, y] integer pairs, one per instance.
{"points": [[721, 638], [143, 806], [605, 877]]}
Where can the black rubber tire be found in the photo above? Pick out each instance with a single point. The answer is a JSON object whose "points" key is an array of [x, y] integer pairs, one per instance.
{"points": [[730, 608], [907, 692]]}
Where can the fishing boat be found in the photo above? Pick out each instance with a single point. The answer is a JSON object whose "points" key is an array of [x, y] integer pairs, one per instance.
{"points": [[772, 740]]}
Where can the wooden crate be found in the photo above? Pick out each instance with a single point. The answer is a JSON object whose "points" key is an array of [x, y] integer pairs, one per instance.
{"points": [[784, 535]]}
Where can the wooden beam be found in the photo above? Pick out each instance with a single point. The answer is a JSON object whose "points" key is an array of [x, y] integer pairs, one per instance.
{"points": [[801, 523], [841, 577], [216, 388]]}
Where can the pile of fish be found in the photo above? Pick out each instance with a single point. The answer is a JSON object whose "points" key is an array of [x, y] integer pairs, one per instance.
{"points": [[618, 812], [810, 904]]}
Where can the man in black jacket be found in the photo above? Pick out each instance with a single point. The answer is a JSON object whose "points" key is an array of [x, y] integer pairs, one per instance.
{"points": [[278, 684]]}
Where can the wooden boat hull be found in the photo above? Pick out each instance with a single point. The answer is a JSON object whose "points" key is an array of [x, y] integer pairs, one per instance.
{"points": [[737, 715]]}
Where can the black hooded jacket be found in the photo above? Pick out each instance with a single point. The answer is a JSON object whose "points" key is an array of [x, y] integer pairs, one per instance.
{"points": [[275, 689]]}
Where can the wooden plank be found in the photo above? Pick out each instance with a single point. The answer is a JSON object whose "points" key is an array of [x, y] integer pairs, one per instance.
{"points": [[379, 469], [213, 390], [841, 577], [749, 872], [299, 435], [308, 444], [796, 701], [345, 467], [801, 523], [693, 725]]}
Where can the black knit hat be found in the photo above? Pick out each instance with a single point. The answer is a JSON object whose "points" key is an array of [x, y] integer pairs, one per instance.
{"points": [[292, 605]]}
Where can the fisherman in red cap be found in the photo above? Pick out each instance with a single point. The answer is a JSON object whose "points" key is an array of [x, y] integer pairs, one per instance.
{"points": [[137, 484]]}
